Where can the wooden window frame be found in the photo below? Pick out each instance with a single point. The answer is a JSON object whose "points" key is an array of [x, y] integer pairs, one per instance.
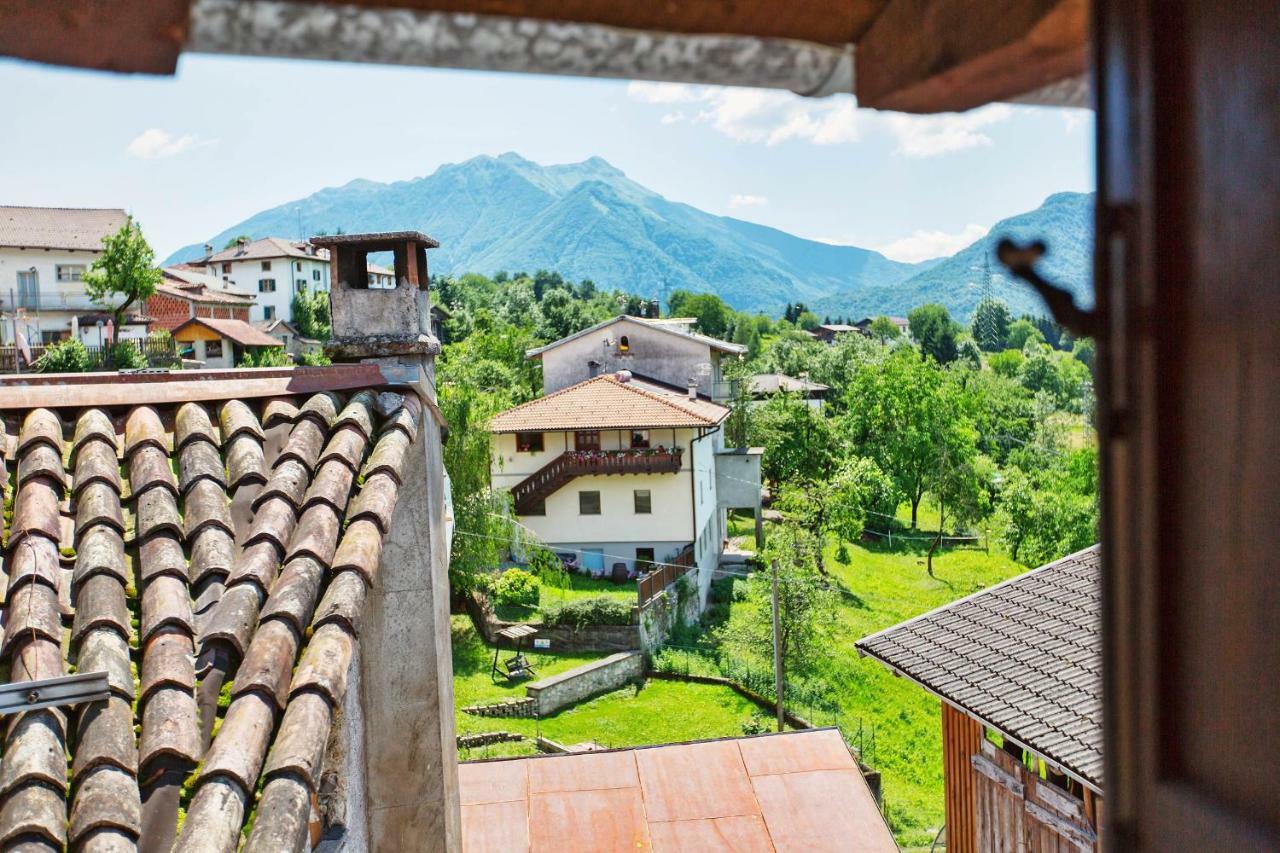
{"points": [[583, 501], [648, 501], [529, 442], [588, 445]]}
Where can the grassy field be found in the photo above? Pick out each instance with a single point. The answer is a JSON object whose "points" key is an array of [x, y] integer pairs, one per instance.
{"points": [[657, 712], [581, 586]]}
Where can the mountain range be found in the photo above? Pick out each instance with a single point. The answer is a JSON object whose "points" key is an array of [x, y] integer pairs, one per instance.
{"points": [[589, 220]]}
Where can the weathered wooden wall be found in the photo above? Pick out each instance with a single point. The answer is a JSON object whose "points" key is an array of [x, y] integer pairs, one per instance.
{"points": [[961, 738], [1018, 812]]}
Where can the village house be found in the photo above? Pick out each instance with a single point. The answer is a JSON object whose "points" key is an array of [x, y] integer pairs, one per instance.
{"points": [[828, 333], [664, 351], [44, 254], [294, 343], [186, 293], [627, 467], [765, 386], [901, 323], [273, 268], [1018, 667], [219, 342]]}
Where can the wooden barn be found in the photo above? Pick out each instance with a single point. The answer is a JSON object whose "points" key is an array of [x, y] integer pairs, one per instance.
{"points": [[1018, 668]]}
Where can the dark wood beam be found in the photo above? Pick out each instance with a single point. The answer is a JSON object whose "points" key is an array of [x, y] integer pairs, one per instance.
{"points": [[108, 35], [928, 56]]}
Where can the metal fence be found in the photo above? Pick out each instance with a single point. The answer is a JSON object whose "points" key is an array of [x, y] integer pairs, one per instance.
{"points": [[158, 353]]}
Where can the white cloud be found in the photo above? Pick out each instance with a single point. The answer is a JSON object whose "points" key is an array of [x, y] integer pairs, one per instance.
{"points": [[154, 144], [755, 115], [742, 200], [929, 136], [923, 245]]}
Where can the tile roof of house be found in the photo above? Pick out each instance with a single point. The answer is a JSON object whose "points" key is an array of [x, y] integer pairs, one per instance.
{"points": [[662, 326], [272, 326], [238, 331], [609, 402], [772, 383], [1024, 657], [195, 286], [140, 535], [266, 248], [792, 791], [58, 227]]}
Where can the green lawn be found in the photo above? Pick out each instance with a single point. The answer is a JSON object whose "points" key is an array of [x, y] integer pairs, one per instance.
{"points": [[657, 712], [581, 586], [881, 588]]}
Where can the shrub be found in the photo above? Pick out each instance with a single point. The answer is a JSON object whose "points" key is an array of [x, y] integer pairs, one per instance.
{"points": [[68, 356], [315, 358], [517, 587], [580, 612], [265, 357], [126, 355]]}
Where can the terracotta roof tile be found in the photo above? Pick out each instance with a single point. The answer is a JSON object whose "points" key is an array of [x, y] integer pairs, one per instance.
{"points": [[192, 558], [58, 227], [606, 402], [233, 330]]}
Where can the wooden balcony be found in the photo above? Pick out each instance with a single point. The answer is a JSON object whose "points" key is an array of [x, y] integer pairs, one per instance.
{"points": [[584, 463]]}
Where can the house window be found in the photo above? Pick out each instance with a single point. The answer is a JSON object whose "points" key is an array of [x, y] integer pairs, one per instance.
{"points": [[70, 272], [540, 508], [644, 559], [529, 442], [624, 345], [299, 266], [640, 438], [266, 285], [213, 349], [268, 312], [315, 275], [586, 439], [300, 286], [266, 265], [644, 502], [588, 503], [52, 337], [226, 269]]}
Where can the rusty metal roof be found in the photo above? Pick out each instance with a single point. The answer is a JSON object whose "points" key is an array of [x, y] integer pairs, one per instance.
{"points": [[1024, 657], [141, 539], [781, 792], [609, 402]]}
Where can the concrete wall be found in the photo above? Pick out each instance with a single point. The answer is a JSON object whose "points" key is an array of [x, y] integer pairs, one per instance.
{"points": [[58, 301], [567, 688], [709, 518], [652, 352], [738, 477]]}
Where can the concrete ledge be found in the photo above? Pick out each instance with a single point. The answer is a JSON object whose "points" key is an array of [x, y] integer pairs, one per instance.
{"points": [[559, 691]]}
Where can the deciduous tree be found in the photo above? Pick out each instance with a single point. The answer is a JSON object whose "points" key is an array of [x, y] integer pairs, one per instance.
{"points": [[124, 274]]}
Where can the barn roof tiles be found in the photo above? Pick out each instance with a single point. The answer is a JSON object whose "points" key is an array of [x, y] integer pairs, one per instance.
{"points": [[1024, 657], [142, 536]]}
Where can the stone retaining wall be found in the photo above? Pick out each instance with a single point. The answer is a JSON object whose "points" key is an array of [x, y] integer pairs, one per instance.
{"points": [[675, 605], [592, 638], [558, 691]]}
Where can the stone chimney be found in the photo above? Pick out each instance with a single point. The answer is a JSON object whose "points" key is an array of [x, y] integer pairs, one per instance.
{"points": [[402, 718], [208, 249], [241, 243], [693, 389]]}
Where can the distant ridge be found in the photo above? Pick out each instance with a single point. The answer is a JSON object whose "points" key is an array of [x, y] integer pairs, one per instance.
{"points": [[589, 220]]}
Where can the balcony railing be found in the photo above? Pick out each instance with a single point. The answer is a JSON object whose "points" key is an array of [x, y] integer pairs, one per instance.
{"points": [[48, 300], [584, 463]]}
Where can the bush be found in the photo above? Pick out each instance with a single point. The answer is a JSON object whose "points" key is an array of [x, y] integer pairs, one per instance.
{"points": [[265, 357], [315, 358], [580, 612], [68, 356], [126, 355], [517, 587]]}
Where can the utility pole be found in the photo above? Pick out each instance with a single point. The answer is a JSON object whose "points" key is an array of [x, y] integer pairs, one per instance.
{"points": [[777, 648]]}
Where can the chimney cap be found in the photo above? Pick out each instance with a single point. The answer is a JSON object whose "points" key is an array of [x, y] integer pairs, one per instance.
{"points": [[378, 241]]}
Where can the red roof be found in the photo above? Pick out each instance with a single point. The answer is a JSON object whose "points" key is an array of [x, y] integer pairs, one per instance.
{"points": [[792, 791], [233, 330], [608, 402]]}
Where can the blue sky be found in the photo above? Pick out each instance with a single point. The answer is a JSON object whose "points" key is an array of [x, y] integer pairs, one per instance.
{"points": [[225, 138]]}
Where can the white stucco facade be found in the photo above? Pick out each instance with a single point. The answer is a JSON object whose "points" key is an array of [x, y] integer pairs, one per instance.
{"points": [[272, 280], [44, 288], [682, 504]]}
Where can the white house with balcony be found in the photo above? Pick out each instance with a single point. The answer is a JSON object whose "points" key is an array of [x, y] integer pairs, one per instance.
{"points": [[627, 466], [44, 255], [271, 268]]}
